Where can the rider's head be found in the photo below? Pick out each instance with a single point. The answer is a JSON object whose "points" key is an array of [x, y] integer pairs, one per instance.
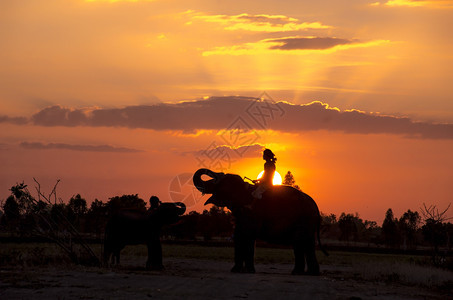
{"points": [[154, 202], [268, 155]]}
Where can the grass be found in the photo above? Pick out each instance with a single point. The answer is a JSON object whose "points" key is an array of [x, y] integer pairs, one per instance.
{"points": [[405, 273], [35, 254], [23, 255], [400, 269]]}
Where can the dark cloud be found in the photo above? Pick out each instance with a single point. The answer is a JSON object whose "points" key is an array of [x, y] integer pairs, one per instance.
{"points": [[244, 114], [186, 116], [89, 148], [60, 116], [13, 120], [266, 19], [309, 43]]}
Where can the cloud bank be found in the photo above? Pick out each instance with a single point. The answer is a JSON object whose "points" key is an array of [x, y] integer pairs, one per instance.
{"points": [[312, 43], [448, 4], [89, 148], [13, 120], [241, 114], [259, 23], [293, 45]]}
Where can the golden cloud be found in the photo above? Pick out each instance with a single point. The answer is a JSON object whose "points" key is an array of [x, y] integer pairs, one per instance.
{"points": [[293, 45], [115, 1], [421, 3], [260, 23]]}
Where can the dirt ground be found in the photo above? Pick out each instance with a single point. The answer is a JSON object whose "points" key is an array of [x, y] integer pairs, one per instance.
{"points": [[197, 279]]}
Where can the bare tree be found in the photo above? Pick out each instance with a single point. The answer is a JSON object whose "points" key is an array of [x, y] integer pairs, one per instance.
{"points": [[46, 218], [433, 213], [434, 230]]}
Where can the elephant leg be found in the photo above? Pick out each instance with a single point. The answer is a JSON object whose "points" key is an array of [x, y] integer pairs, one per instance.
{"points": [[107, 253], [244, 253], [154, 261], [299, 257], [249, 256], [112, 258], [116, 256], [238, 256], [310, 254]]}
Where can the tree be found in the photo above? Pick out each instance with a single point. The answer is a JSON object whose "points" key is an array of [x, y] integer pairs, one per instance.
{"points": [[371, 232], [434, 230], [215, 222], [289, 180], [125, 202], [11, 216], [329, 226], [76, 210], [348, 227], [390, 229], [408, 225], [96, 217], [78, 205], [97, 208], [24, 199]]}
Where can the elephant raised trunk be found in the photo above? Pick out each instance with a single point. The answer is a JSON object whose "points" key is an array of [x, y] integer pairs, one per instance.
{"points": [[181, 208], [206, 186]]}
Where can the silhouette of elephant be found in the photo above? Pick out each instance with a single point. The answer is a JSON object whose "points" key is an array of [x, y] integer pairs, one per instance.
{"points": [[131, 227], [284, 215]]}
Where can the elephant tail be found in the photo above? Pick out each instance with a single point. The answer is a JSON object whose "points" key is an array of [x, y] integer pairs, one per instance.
{"points": [[319, 238]]}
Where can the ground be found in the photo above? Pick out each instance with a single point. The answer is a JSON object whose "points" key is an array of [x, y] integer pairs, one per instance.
{"points": [[186, 278]]}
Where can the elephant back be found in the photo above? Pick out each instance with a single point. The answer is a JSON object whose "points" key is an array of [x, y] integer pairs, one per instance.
{"points": [[287, 200]]}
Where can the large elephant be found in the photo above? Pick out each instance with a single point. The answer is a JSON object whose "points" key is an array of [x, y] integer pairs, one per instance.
{"points": [[284, 215], [129, 227]]}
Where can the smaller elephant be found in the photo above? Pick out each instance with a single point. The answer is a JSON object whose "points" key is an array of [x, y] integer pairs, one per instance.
{"points": [[131, 227]]}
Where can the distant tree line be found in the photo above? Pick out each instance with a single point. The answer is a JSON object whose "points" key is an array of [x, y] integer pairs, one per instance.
{"points": [[23, 215], [407, 232]]}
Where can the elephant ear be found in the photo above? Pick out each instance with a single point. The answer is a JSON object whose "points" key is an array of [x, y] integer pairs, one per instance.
{"points": [[212, 200], [217, 201]]}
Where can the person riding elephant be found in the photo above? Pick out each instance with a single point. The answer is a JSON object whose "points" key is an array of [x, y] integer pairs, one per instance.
{"points": [[265, 182]]}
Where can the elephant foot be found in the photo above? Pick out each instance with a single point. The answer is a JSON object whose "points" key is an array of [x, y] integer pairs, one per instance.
{"points": [[313, 272], [249, 269], [241, 269], [155, 268], [236, 269], [309, 272], [298, 272]]}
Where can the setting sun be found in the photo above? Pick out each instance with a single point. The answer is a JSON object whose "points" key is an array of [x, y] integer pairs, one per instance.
{"points": [[277, 180]]}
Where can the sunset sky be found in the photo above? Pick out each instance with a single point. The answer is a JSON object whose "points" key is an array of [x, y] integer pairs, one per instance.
{"points": [[118, 97]]}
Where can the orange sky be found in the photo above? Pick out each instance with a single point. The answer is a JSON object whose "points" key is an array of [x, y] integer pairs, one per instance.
{"points": [[92, 93]]}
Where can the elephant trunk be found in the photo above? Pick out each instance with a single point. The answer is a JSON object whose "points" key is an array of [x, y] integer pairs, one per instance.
{"points": [[205, 186], [181, 208]]}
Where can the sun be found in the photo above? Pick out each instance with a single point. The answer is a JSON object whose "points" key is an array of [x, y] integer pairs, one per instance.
{"points": [[277, 180]]}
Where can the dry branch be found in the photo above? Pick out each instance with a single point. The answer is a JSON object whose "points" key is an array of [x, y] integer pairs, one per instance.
{"points": [[432, 212], [60, 231]]}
